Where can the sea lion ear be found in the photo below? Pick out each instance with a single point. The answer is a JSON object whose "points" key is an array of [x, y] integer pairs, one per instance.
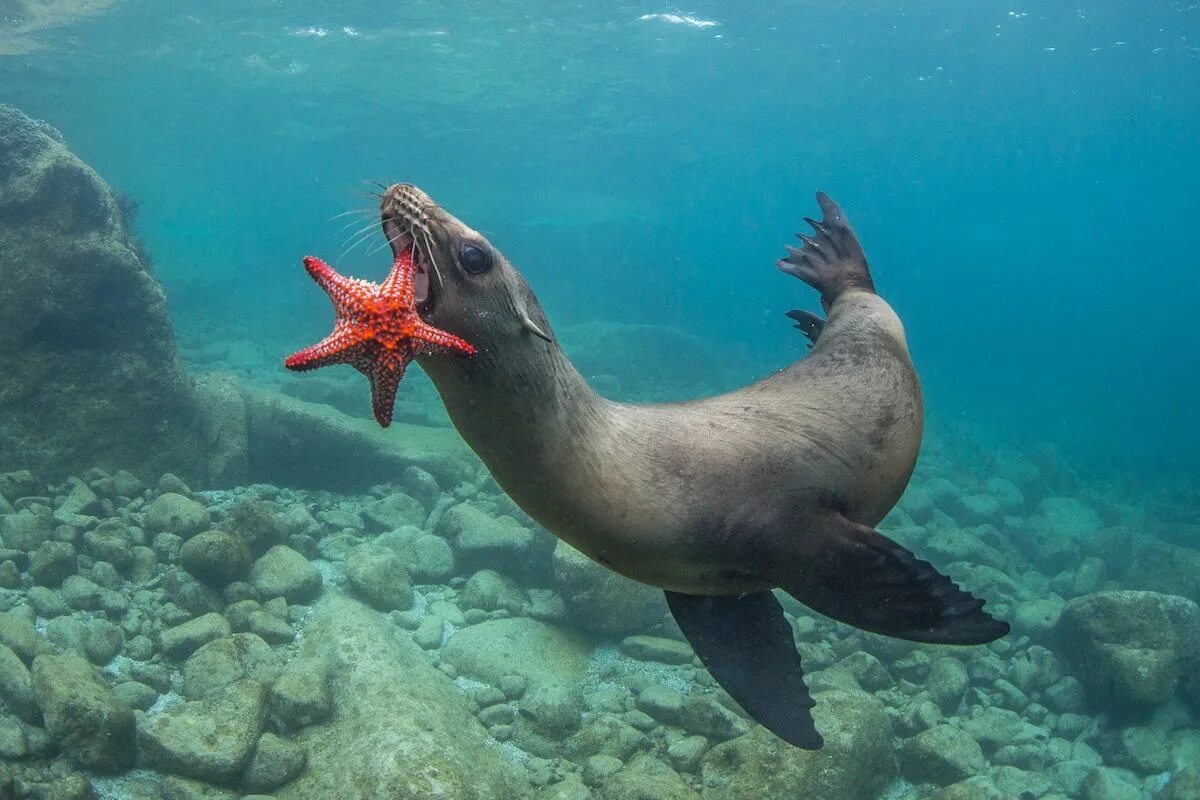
{"points": [[529, 311]]}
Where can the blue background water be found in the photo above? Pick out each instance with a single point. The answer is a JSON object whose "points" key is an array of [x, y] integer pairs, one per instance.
{"points": [[1024, 177]]}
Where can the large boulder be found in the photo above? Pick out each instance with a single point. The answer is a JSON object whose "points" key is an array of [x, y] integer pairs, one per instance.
{"points": [[91, 373], [401, 730], [1129, 647], [855, 763]]}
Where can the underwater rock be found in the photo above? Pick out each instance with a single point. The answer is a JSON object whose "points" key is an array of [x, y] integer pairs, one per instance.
{"points": [[25, 530], [182, 640], [481, 540], [52, 563], [304, 445], [83, 715], [488, 590], [646, 778], [16, 687], [282, 572], [225, 661], [211, 739], [377, 575], [657, 648], [1109, 784], [301, 695], [1184, 785], [1068, 517], [605, 735], [215, 557], [702, 714], [1130, 647], [18, 633], [1038, 619], [947, 683], [394, 511], [855, 763], [401, 730], [602, 601], [941, 755], [174, 513], [1167, 568], [88, 354], [276, 761], [542, 654]]}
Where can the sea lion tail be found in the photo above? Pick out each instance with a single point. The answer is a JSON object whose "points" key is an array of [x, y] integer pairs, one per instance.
{"points": [[859, 576], [831, 260]]}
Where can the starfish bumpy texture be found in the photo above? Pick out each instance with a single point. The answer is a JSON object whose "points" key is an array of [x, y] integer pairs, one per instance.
{"points": [[376, 330]]}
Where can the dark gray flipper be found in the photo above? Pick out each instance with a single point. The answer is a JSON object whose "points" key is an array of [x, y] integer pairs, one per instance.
{"points": [[831, 259], [747, 645], [859, 576], [807, 323]]}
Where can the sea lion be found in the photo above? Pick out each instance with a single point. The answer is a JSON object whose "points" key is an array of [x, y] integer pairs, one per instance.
{"points": [[716, 501]]}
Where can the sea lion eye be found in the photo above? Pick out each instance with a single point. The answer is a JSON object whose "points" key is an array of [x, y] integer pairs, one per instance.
{"points": [[474, 260]]}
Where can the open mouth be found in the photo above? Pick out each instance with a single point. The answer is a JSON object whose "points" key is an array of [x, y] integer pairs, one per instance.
{"points": [[403, 243]]}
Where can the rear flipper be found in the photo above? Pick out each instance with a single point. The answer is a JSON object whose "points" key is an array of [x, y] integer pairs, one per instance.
{"points": [[747, 645], [807, 323], [831, 259], [858, 576]]}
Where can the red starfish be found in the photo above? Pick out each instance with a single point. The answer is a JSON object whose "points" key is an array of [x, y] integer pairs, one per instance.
{"points": [[376, 330]]}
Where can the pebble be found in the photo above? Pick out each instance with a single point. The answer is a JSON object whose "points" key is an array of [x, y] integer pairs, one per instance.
{"points": [[181, 641], [656, 648], [428, 635]]}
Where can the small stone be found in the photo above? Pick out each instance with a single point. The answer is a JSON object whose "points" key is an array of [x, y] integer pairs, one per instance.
{"points": [[300, 696], [432, 559], [497, 715], [1065, 695], [941, 755], [488, 696], [270, 628], [276, 762], [394, 511], [502, 733], [488, 590], [686, 753], [239, 613], [513, 686], [70, 787], [52, 563], [481, 539], [665, 705], [211, 739], [155, 675], [226, 661], [1037, 618], [597, 768], [947, 683], [870, 673], [428, 635], [10, 575], [12, 739], [89, 722], [16, 687], [282, 572], [102, 641], [46, 603], [112, 543], [81, 593], [25, 530], [1109, 784], [656, 648], [173, 513], [378, 575], [167, 546], [182, 640], [703, 715], [215, 557], [136, 695], [640, 720], [18, 633], [978, 509]]}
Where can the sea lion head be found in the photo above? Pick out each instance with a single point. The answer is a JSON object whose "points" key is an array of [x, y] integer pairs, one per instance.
{"points": [[463, 283]]}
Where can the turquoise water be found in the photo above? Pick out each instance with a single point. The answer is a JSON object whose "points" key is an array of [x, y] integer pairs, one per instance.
{"points": [[1024, 181], [1024, 178]]}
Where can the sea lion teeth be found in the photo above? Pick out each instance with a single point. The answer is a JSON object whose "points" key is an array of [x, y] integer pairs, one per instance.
{"points": [[715, 505]]}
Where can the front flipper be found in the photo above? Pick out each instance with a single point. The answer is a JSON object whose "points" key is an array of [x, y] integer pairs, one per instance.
{"points": [[807, 323], [859, 576], [747, 645], [831, 260]]}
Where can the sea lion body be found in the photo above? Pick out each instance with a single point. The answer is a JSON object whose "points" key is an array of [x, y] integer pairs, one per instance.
{"points": [[688, 496], [716, 501]]}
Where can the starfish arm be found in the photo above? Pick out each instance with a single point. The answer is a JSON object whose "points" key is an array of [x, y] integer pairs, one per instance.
{"points": [[339, 347], [385, 380], [401, 281], [435, 340], [343, 291]]}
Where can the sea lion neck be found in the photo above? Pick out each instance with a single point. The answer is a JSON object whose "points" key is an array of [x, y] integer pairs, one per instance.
{"points": [[524, 408]]}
